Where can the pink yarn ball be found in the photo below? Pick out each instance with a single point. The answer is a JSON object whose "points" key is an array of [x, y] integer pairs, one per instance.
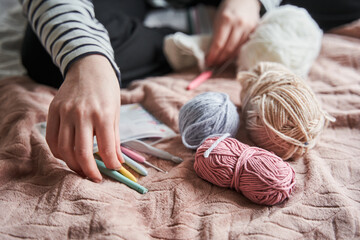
{"points": [[258, 174]]}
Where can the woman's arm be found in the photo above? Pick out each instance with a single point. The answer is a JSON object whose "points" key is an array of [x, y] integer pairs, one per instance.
{"points": [[88, 101], [68, 30]]}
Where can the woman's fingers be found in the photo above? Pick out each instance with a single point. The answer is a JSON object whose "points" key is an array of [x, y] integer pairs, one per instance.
{"points": [[105, 135], [84, 150], [117, 137], [231, 46], [233, 23], [217, 44], [66, 145], [52, 130], [87, 103]]}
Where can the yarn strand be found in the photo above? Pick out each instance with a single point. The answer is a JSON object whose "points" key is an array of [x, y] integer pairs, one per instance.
{"points": [[207, 152]]}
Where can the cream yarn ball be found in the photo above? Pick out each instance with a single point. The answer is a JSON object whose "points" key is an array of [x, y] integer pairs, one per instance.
{"points": [[280, 111], [286, 35]]}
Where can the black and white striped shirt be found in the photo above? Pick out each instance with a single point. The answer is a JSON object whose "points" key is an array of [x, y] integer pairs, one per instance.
{"points": [[68, 30]]}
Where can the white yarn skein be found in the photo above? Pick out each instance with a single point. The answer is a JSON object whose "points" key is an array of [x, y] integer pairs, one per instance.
{"points": [[184, 51], [208, 114], [286, 35]]}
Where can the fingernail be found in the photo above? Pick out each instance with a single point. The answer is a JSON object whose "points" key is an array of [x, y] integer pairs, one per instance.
{"points": [[97, 180], [120, 158], [118, 167]]}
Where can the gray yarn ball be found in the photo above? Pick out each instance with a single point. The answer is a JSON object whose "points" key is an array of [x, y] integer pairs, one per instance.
{"points": [[208, 114]]}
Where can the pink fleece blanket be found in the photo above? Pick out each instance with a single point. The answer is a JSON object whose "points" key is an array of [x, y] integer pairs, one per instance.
{"points": [[40, 198]]}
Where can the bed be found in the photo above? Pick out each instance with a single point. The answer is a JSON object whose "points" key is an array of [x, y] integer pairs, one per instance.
{"points": [[40, 198]]}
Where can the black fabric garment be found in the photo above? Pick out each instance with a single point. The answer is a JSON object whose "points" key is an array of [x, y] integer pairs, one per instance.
{"points": [[38, 62], [137, 49], [329, 13]]}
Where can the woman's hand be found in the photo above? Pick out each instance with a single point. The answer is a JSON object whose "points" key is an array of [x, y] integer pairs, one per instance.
{"points": [[87, 104], [234, 21]]}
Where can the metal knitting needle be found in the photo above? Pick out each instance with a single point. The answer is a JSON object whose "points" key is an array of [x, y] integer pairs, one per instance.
{"points": [[139, 158], [153, 166], [146, 148]]}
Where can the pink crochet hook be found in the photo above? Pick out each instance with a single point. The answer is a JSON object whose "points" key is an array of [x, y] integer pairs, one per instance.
{"points": [[207, 74], [137, 157], [200, 79]]}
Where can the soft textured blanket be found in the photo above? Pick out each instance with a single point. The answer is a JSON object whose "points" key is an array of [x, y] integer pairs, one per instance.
{"points": [[40, 198]]}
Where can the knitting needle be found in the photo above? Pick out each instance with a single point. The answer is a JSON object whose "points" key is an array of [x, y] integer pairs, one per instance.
{"points": [[146, 148], [139, 158], [199, 79]]}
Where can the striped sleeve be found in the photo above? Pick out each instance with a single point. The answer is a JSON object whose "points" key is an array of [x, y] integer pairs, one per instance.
{"points": [[68, 30]]}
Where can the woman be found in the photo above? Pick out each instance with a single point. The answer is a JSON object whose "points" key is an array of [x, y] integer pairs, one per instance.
{"points": [[79, 45]]}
